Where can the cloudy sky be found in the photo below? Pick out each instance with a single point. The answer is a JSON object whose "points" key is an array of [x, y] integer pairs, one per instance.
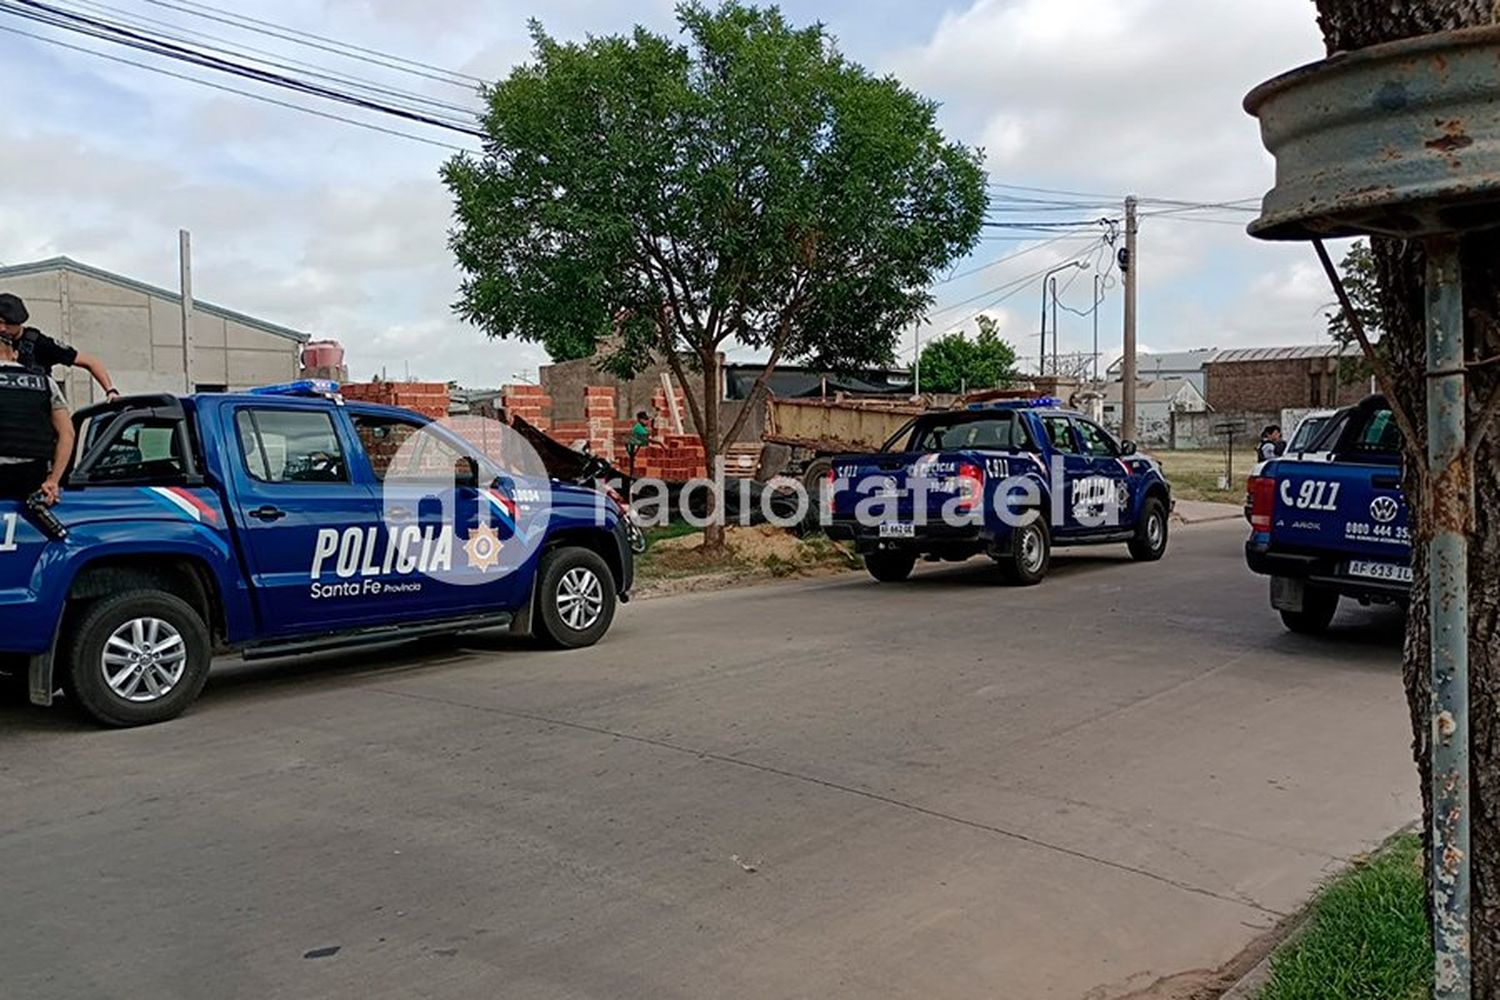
{"points": [[341, 231]]}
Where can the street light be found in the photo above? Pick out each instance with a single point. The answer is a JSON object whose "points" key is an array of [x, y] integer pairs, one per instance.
{"points": [[1041, 368]]}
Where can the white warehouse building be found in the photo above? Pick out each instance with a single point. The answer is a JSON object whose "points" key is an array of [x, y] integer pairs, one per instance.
{"points": [[136, 330]]}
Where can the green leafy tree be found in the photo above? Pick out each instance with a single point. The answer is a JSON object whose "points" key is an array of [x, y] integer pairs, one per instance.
{"points": [[954, 362], [1361, 282], [642, 198]]}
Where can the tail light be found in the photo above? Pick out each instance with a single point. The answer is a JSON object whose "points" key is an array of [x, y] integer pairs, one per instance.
{"points": [[1262, 503], [970, 486]]}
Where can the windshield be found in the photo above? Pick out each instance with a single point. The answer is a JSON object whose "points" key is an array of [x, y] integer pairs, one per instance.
{"points": [[1000, 431], [1309, 431]]}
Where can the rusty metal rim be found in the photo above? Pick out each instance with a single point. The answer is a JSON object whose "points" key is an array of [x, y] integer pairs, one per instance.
{"points": [[1405, 48]]}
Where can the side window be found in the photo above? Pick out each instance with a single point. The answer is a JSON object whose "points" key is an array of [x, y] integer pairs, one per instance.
{"points": [[147, 450], [1381, 434], [405, 449], [291, 446], [1059, 434], [1095, 441]]}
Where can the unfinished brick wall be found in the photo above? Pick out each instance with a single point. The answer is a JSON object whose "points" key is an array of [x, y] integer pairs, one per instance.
{"points": [[427, 398], [529, 402]]}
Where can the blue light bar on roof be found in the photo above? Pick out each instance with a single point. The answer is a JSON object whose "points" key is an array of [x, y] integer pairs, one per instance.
{"points": [[303, 387], [1044, 403]]}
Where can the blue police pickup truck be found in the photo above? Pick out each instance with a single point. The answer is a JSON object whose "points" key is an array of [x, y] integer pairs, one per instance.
{"points": [[278, 522], [1333, 523], [1010, 480]]}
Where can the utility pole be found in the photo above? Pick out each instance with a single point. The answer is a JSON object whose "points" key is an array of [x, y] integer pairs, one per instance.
{"points": [[1128, 266], [185, 263], [1041, 363], [1055, 327], [1098, 280]]}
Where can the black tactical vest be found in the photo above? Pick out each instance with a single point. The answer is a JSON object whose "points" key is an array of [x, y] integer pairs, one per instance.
{"points": [[25, 414], [26, 351]]}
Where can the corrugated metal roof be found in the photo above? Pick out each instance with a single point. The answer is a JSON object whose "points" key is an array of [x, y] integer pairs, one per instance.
{"points": [[1306, 351], [69, 264], [1171, 361]]}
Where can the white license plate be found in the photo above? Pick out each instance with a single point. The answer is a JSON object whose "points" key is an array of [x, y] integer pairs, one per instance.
{"points": [[1389, 572], [898, 531]]}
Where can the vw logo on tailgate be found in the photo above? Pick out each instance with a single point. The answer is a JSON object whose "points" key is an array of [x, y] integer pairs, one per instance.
{"points": [[1384, 509]]}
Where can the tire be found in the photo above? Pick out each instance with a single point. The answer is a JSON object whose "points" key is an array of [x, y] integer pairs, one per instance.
{"points": [[639, 543], [890, 566], [1030, 555], [1318, 610], [1151, 532], [571, 612], [130, 700]]}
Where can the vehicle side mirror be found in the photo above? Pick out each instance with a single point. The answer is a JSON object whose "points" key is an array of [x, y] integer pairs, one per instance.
{"points": [[466, 473], [1128, 448]]}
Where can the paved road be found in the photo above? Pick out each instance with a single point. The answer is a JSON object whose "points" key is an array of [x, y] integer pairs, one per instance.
{"points": [[947, 789]]}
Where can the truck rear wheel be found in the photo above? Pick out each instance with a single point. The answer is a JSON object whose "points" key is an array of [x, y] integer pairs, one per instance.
{"points": [[1030, 555], [1150, 541], [890, 565], [575, 598], [1318, 609], [137, 658]]}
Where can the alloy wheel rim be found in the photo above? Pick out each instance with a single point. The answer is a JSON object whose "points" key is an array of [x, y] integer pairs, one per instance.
{"points": [[1153, 531], [580, 598], [144, 660]]}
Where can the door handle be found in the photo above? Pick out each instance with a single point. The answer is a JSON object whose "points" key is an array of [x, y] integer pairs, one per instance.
{"points": [[268, 513], [398, 515]]}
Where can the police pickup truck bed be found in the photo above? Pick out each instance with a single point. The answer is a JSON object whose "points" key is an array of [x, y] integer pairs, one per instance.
{"points": [[1333, 523], [284, 521], [1010, 480]]}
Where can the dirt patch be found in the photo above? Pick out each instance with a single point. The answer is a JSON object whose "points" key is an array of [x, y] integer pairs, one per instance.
{"points": [[679, 565], [1206, 984]]}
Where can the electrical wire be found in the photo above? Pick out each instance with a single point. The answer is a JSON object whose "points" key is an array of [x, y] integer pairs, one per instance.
{"points": [[1003, 260], [242, 93], [229, 47], [35, 10], [347, 50]]}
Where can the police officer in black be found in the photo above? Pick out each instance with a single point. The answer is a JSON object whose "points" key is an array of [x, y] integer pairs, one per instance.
{"points": [[39, 352], [36, 434]]}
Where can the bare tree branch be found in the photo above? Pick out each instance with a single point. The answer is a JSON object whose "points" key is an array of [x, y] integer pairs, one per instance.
{"points": [[1382, 371]]}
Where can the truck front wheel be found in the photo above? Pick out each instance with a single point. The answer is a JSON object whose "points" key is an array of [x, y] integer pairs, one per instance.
{"points": [[1150, 541], [1318, 609], [137, 658], [890, 565], [575, 598]]}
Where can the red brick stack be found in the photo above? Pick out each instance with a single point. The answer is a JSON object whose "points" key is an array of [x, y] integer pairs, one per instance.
{"points": [[529, 402], [427, 398]]}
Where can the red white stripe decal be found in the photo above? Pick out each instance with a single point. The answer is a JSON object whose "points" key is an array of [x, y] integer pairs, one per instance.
{"points": [[504, 503], [186, 502]]}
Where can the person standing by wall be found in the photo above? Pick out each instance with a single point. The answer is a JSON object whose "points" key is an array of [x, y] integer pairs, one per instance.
{"points": [[37, 352]]}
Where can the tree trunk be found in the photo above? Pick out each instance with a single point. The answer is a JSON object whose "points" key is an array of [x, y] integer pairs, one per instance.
{"points": [[1353, 24], [713, 535]]}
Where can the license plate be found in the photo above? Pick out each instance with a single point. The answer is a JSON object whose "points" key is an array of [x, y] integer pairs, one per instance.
{"points": [[1390, 572], [898, 531]]}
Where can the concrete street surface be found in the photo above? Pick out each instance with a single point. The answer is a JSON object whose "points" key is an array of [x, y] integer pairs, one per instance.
{"points": [[809, 789]]}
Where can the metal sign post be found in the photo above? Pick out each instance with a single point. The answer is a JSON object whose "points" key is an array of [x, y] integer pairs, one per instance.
{"points": [[1401, 140]]}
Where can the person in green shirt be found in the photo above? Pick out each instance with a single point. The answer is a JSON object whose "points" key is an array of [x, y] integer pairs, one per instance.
{"points": [[640, 437]]}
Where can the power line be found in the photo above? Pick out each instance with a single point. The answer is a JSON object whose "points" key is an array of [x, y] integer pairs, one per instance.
{"points": [[234, 90], [244, 22], [34, 10], [1023, 280], [206, 40], [1004, 260]]}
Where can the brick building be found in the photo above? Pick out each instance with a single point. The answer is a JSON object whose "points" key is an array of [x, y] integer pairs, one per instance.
{"points": [[1285, 378]]}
